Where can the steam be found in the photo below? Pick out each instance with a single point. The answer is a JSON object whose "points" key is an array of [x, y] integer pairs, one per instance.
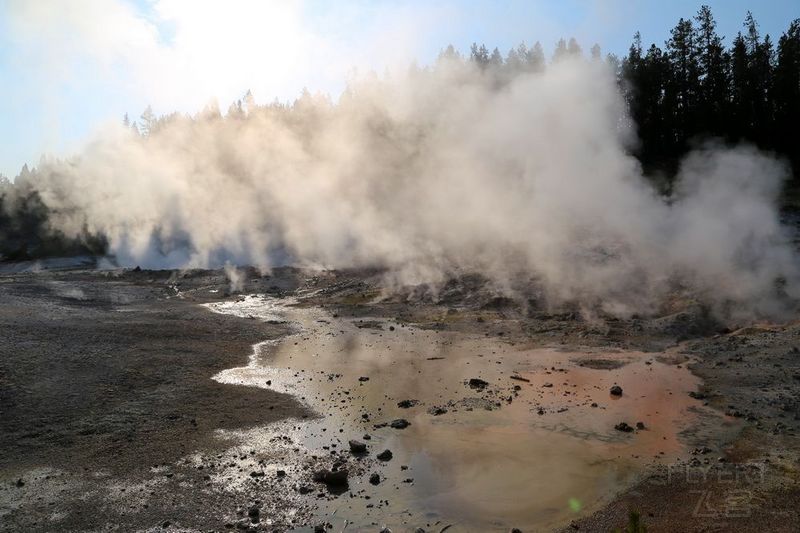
{"points": [[433, 172], [235, 276]]}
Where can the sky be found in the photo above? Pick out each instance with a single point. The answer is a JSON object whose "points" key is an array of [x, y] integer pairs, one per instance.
{"points": [[67, 67]]}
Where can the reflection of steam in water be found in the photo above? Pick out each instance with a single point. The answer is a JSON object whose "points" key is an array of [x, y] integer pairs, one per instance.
{"points": [[517, 453]]}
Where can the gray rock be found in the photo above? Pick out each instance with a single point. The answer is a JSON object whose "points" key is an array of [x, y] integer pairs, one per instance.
{"points": [[357, 446]]}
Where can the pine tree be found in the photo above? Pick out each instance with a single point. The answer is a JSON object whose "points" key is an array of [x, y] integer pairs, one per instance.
{"points": [[682, 91], [713, 72], [786, 95]]}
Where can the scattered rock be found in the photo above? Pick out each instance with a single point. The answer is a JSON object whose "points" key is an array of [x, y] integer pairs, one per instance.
{"points": [[385, 455], [436, 411], [616, 390], [357, 446]]}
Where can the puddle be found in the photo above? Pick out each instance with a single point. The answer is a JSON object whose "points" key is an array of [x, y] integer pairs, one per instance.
{"points": [[532, 451]]}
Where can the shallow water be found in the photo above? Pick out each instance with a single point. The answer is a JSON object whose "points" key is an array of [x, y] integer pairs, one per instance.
{"points": [[531, 458]]}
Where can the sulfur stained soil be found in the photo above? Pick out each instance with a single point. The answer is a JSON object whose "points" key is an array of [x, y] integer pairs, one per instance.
{"points": [[136, 400]]}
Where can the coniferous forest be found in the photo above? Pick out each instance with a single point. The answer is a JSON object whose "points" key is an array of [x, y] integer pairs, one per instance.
{"points": [[698, 85]]}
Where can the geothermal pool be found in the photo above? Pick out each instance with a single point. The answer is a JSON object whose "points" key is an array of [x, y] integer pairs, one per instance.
{"points": [[534, 448]]}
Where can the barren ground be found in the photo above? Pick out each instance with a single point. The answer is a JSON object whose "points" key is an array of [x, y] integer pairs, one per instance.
{"points": [[110, 419]]}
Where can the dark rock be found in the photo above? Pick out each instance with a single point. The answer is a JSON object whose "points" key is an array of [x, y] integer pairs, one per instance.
{"points": [[303, 489], [363, 378], [697, 395], [400, 423], [405, 404], [477, 383], [281, 473], [375, 478], [254, 513], [357, 446], [20, 483], [623, 426], [616, 390], [520, 378], [338, 478], [639, 425], [256, 474], [436, 411], [165, 525], [334, 478], [385, 455]]}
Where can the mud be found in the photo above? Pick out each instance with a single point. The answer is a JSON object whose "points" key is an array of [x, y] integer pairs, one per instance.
{"points": [[152, 400]]}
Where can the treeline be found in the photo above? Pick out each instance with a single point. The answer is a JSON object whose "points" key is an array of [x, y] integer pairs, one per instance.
{"points": [[25, 232], [696, 87], [692, 89]]}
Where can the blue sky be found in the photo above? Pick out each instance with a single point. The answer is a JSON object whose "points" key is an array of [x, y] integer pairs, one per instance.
{"points": [[66, 68]]}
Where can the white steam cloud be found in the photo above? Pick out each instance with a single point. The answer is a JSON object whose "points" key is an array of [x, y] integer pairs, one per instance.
{"points": [[438, 171]]}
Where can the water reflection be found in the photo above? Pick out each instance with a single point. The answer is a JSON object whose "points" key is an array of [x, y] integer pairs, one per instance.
{"points": [[525, 452]]}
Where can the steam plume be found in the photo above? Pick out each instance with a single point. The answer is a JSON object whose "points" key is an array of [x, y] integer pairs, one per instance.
{"points": [[437, 171]]}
